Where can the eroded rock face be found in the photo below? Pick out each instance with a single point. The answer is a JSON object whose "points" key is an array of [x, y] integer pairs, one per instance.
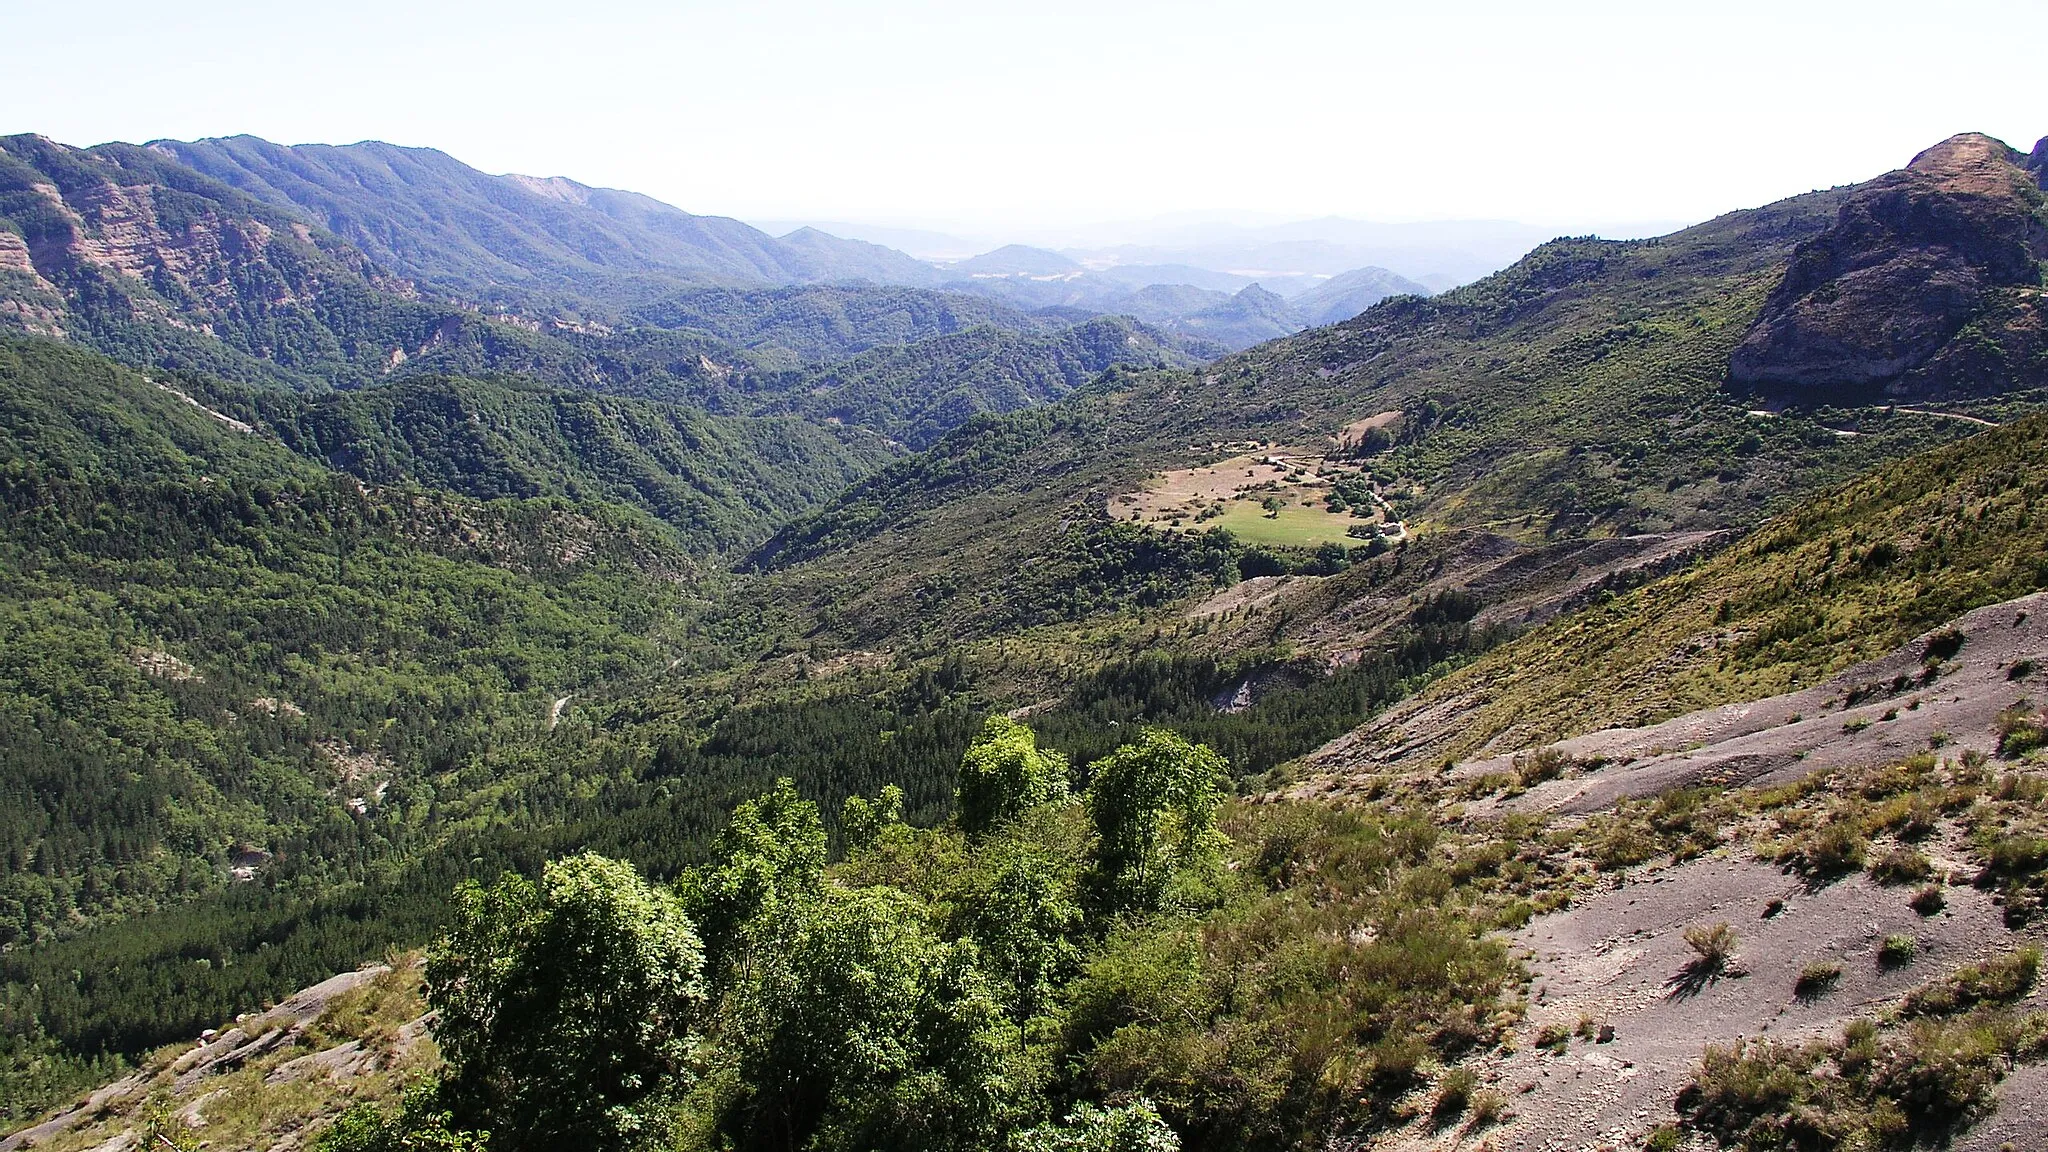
{"points": [[1948, 249]]}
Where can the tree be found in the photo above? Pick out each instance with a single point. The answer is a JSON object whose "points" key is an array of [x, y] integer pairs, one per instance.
{"points": [[1131, 1128], [1024, 926], [565, 1006], [772, 851], [1153, 803], [862, 822], [1004, 772], [850, 1025]]}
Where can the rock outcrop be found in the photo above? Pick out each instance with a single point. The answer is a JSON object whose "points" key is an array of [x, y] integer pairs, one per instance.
{"points": [[1928, 283]]}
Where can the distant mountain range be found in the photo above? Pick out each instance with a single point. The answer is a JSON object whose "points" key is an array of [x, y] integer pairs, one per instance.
{"points": [[512, 239]]}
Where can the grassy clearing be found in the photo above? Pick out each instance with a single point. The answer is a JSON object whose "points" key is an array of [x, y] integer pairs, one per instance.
{"points": [[1294, 526]]}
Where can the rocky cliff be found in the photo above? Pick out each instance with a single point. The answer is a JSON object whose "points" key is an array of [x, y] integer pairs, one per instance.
{"points": [[1929, 283]]}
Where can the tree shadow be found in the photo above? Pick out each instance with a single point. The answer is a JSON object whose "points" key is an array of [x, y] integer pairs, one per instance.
{"points": [[1694, 978]]}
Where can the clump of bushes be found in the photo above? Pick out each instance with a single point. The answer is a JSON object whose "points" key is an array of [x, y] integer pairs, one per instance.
{"points": [[1897, 949], [1943, 645], [1543, 764], [1901, 866], [1869, 1089], [2021, 729], [1454, 1093], [1489, 1107], [1834, 849], [2000, 980], [1817, 979], [1928, 900]]}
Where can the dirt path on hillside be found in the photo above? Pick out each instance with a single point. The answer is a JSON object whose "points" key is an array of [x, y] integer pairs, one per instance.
{"points": [[1949, 416]]}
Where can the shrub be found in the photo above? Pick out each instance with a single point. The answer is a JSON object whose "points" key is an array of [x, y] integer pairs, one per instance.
{"points": [[1817, 979], [2000, 980], [1713, 945], [1533, 768], [1901, 866], [1454, 1092], [1833, 849], [1943, 645], [2021, 730], [1488, 1107], [1131, 1128], [1928, 900], [1865, 1091], [1553, 1037], [1898, 949]]}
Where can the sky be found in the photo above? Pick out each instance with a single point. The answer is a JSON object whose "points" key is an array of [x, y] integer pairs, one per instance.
{"points": [[994, 116]]}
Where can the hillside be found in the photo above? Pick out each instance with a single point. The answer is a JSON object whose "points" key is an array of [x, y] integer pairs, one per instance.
{"points": [[1581, 393], [1346, 295], [918, 392], [1928, 284], [1839, 580], [519, 240], [127, 252], [721, 482], [339, 268], [826, 716], [235, 653], [784, 327]]}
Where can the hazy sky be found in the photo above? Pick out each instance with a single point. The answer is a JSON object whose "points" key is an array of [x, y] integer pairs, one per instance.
{"points": [[1052, 112]]}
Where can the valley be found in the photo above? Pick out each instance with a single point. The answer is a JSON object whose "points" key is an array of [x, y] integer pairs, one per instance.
{"points": [[496, 662]]}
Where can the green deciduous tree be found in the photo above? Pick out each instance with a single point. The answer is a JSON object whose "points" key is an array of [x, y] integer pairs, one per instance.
{"points": [[1024, 926], [1153, 803], [863, 821], [1131, 1128], [770, 853], [1005, 772], [850, 1025], [564, 1006]]}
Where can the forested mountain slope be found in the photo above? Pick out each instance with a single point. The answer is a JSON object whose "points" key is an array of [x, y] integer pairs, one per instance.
{"points": [[128, 251], [132, 254], [721, 482], [520, 240], [808, 324], [215, 648], [917, 392]]}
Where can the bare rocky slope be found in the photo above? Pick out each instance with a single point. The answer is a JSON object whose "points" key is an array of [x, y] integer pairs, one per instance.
{"points": [[1928, 283]]}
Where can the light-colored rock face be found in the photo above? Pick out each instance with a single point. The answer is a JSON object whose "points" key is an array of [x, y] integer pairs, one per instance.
{"points": [[14, 256], [1620, 960], [283, 1074], [33, 305], [118, 228], [1877, 712]]}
